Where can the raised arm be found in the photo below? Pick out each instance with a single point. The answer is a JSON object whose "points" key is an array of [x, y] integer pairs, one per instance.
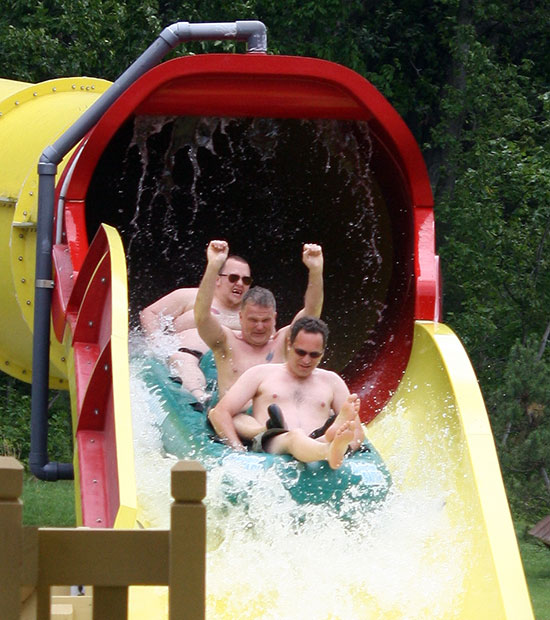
{"points": [[312, 257], [235, 401], [154, 318], [210, 329]]}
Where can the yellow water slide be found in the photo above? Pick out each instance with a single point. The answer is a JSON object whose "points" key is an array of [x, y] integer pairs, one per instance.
{"points": [[426, 413]]}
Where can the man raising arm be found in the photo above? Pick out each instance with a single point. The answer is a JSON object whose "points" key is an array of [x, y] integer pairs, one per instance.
{"points": [[257, 342]]}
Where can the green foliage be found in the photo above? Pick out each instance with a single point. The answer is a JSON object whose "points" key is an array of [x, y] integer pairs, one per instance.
{"points": [[58, 38], [521, 422], [15, 415]]}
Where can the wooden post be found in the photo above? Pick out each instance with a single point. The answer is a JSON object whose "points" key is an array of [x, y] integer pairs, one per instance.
{"points": [[11, 536], [188, 542]]}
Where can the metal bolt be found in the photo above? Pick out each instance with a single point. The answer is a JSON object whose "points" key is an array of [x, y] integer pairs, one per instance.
{"points": [[94, 481], [17, 103], [23, 280], [92, 440], [19, 258], [98, 520], [24, 213], [62, 359], [35, 94], [96, 411], [103, 280], [54, 89], [90, 323], [21, 236], [28, 302], [106, 367], [30, 193]]}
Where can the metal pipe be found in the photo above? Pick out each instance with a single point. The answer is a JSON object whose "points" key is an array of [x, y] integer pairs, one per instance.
{"points": [[254, 33]]}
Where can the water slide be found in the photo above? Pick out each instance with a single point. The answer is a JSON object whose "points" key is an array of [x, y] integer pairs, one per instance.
{"points": [[268, 152]]}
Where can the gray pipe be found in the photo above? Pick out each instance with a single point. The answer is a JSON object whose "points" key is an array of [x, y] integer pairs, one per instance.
{"points": [[254, 33]]}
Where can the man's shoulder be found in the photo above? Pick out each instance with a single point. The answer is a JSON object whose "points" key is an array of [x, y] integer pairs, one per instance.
{"points": [[327, 374]]}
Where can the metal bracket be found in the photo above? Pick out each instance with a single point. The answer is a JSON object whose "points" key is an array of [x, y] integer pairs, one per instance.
{"points": [[44, 284]]}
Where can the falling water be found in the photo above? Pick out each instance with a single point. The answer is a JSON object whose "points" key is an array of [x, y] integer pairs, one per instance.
{"points": [[170, 184]]}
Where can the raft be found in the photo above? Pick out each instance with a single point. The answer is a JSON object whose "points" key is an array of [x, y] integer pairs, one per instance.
{"points": [[186, 434]]}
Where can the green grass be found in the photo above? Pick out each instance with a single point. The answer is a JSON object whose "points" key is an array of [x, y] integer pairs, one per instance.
{"points": [[48, 504], [536, 564]]}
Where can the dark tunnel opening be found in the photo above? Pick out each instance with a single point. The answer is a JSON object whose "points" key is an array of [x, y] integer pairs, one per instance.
{"points": [[171, 184]]}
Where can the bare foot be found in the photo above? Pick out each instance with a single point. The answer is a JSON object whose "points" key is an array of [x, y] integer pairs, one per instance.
{"points": [[338, 446], [348, 412]]}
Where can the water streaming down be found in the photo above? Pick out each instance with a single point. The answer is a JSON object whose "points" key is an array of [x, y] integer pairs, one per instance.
{"points": [[268, 556], [169, 185]]}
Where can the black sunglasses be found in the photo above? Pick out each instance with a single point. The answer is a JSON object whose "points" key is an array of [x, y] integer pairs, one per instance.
{"points": [[235, 277], [313, 354]]}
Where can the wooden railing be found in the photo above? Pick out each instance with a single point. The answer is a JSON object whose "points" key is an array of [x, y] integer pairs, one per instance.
{"points": [[33, 559]]}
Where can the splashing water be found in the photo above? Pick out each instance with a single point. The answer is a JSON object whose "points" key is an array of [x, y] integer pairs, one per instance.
{"points": [[272, 558]]}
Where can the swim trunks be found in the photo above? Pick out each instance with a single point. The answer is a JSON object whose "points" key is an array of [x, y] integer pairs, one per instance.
{"points": [[261, 440], [319, 432], [194, 352]]}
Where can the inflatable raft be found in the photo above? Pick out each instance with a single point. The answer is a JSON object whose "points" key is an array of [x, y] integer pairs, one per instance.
{"points": [[186, 434]]}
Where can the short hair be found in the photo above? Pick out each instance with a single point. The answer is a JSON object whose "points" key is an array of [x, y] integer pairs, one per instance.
{"points": [[260, 297], [240, 259], [311, 325]]}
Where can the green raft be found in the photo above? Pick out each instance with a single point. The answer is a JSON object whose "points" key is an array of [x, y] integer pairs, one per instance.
{"points": [[187, 434]]}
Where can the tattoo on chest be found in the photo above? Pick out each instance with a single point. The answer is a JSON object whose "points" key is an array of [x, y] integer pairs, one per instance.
{"points": [[269, 356]]}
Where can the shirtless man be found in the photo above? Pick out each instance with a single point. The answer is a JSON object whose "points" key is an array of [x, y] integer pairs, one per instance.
{"points": [[305, 394], [175, 310], [257, 342]]}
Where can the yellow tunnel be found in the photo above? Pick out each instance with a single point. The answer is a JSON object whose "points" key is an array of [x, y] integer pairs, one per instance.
{"points": [[32, 116]]}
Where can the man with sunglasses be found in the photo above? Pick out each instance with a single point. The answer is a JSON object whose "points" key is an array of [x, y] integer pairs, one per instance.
{"points": [[257, 342], [173, 314], [304, 396], [175, 310]]}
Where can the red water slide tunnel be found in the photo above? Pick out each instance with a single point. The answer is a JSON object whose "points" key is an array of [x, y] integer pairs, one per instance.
{"points": [[268, 152]]}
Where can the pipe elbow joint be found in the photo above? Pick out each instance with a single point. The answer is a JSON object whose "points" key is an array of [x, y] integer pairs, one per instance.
{"points": [[176, 33], [255, 33]]}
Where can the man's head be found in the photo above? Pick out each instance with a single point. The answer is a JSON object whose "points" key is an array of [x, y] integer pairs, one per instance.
{"points": [[258, 315], [233, 281], [307, 341]]}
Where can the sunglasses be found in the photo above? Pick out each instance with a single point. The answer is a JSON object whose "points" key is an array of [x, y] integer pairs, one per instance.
{"points": [[235, 277], [313, 354]]}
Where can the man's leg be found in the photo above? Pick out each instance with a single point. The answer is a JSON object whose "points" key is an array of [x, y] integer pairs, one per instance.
{"points": [[186, 367], [349, 412], [246, 426], [308, 450]]}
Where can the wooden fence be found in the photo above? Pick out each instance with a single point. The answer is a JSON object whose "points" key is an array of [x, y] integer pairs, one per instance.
{"points": [[33, 559]]}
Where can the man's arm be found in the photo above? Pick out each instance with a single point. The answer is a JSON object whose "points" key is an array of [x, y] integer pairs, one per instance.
{"points": [[235, 401], [312, 257], [210, 329], [170, 306]]}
